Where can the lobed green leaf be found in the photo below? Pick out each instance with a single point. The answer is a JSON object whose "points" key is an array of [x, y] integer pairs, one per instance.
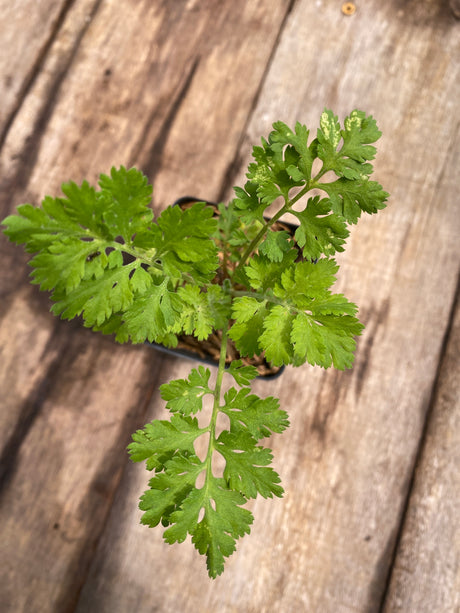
{"points": [[260, 417], [321, 232], [243, 375], [161, 439], [246, 466], [275, 245], [348, 198], [186, 396]]}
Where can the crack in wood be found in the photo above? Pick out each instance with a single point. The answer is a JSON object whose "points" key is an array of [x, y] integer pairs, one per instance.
{"points": [[35, 70], [31, 409], [152, 163], [29, 154], [410, 489], [234, 166], [378, 320]]}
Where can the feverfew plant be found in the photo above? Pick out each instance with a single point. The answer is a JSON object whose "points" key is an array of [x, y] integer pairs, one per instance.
{"points": [[107, 260]]}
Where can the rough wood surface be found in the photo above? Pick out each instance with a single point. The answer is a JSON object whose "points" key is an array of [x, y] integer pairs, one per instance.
{"points": [[26, 31], [348, 459], [108, 91], [183, 89], [426, 572]]}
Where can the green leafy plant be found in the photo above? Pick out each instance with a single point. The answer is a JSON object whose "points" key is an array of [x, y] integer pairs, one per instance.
{"points": [[199, 271]]}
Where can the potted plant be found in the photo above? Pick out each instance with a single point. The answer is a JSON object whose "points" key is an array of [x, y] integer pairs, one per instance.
{"points": [[229, 272]]}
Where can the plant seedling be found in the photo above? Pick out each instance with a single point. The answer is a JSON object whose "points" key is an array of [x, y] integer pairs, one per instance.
{"points": [[107, 260]]}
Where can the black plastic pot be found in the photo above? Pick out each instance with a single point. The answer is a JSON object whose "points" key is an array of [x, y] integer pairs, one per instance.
{"points": [[192, 355]]}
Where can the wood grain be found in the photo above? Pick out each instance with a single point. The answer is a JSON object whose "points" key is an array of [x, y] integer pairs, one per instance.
{"points": [[347, 460], [27, 330], [183, 89], [27, 29], [111, 85], [426, 572]]}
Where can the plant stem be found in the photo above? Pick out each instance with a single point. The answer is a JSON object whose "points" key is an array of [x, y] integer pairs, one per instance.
{"points": [[284, 209], [216, 405]]}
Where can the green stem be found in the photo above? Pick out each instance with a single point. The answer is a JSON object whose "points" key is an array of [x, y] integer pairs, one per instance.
{"points": [[284, 209], [287, 206], [216, 405], [140, 255], [272, 299], [136, 254]]}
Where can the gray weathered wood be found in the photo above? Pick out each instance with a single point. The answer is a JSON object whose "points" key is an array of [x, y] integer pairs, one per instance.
{"points": [[26, 30], [173, 87], [455, 7], [426, 572], [111, 87], [347, 460], [27, 331], [26, 328]]}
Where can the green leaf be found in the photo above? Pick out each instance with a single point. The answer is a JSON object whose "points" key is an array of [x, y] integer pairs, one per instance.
{"points": [[349, 197], [245, 307], [152, 314], [243, 375], [97, 299], [329, 136], [303, 320], [300, 168], [125, 197], [234, 235], [65, 263], [246, 466], [265, 173], [304, 281], [37, 229], [276, 337], [332, 304], [307, 341], [263, 274], [260, 417], [162, 438], [325, 340], [283, 162], [196, 316], [219, 303], [358, 133], [275, 245], [249, 203], [83, 241], [168, 448], [81, 207], [215, 535], [77, 217], [169, 488], [186, 396], [321, 232], [184, 244], [249, 314]]}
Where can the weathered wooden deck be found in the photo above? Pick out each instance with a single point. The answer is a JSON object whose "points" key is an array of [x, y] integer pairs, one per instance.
{"points": [[370, 465]]}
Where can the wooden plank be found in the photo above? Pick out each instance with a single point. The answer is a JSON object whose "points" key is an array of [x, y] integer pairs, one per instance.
{"points": [[27, 30], [56, 496], [347, 460], [117, 85], [191, 99], [21, 323], [426, 573]]}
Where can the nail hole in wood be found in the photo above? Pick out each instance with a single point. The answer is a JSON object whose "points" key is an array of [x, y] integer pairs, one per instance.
{"points": [[348, 8]]}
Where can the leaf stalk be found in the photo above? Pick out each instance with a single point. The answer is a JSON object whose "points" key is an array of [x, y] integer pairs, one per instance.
{"points": [[284, 209], [216, 405]]}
